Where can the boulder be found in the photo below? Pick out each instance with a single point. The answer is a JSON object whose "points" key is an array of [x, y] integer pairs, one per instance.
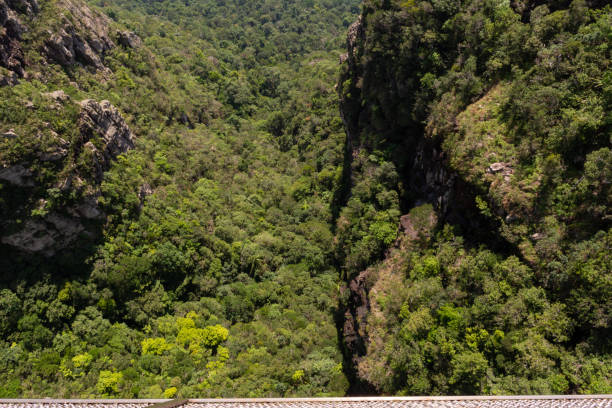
{"points": [[496, 167], [10, 134], [17, 175], [504, 168], [129, 39], [87, 209], [45, 236], [58, 96]]}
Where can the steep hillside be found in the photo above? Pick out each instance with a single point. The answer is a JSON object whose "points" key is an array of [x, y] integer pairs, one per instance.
{"points": [[166, 176], [487, 124]]}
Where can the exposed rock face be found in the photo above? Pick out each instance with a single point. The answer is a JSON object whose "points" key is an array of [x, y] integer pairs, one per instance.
{"points": [[354, 36], [85, 39], [430, 179], [82, 39], [87, 209], [420, 160], [11, 28], [354, 320], [104, 120], [67, 47]]}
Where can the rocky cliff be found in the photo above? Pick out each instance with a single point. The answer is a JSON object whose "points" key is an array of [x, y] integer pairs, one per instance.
{"points": [[80, 34], [103, 135], [53, 161], [83, 38]]}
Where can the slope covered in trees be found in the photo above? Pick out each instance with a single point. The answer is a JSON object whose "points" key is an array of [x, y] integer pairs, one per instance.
{"points": [[177, 240], [487, 123]]}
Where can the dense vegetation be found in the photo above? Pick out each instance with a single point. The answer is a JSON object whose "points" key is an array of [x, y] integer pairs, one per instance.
{"points": [[239, 231], [498, 114], [220, 282]]}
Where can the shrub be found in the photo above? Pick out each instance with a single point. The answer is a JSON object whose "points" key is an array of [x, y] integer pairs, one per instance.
{"points": [[108, 382]]}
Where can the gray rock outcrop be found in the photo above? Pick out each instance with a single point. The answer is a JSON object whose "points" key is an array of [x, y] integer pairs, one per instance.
{"points": [[58, 96], [504, 168], [82, 38], [11, 29], [67, 47], [54, 154]]}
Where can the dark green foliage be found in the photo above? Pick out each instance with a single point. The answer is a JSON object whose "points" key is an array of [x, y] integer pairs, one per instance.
{"points": [[215, 251], [496, 114]]}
